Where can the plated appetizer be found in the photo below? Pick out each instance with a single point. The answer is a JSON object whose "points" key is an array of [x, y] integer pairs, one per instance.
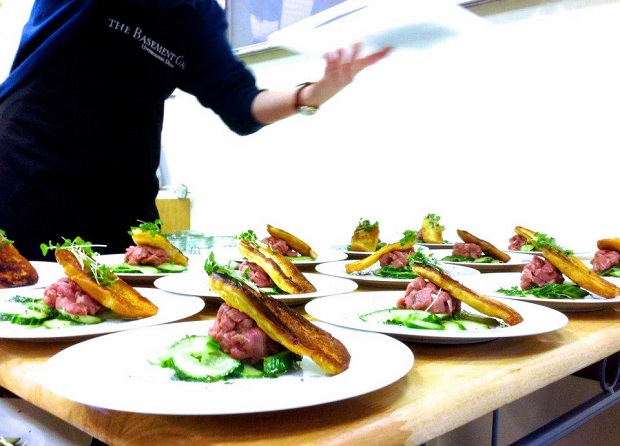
{"points": [[393, 259], [288, 244], [89, 294], [606, 260], [253, 336], [545, 275], [152, 253], [476, 250], [15, 269]]}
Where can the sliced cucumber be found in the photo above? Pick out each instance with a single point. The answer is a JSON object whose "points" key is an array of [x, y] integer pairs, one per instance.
{"points": [[30, 317], [171, 268], [425, 325], [81, 319], [452, 325], [58, 323]]}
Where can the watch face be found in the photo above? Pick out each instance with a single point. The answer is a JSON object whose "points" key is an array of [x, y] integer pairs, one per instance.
{"points": [[307, 110]]}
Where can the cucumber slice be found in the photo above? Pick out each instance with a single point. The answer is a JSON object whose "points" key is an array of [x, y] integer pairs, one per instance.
{"points": [[58, 323], [451, 325], [426, 325], [30, 317], [171, 268], [80, 319], [473, 325]]}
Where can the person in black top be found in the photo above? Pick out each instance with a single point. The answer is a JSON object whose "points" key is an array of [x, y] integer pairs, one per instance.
{"points": [[81, 111]]}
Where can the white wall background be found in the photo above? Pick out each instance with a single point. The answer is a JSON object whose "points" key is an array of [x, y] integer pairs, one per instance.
{"points": [[516, 126]]}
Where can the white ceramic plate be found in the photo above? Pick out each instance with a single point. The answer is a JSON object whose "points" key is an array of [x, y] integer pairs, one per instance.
{"points": [[516, 263], [324, 256], [345, 311], [122, 359], [489, 283], [582, 255], [366, 277], [198, 285], [49, 272], [36, 427], [445, 245], [400, 24], [195, 261], [171, 308]]}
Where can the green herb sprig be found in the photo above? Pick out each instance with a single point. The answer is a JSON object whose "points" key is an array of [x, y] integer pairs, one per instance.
{"points": [[153, 227], [212, 266], [541, 241]]}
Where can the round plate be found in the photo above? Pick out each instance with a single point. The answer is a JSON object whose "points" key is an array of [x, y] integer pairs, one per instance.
{"points": [[366, 277], [345, 311], [171, 308], [123, 359], [489, 283], [516, 263], [198, 285]]}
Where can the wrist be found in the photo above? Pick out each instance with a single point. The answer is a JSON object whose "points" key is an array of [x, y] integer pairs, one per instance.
{"points": [[301, 104]]}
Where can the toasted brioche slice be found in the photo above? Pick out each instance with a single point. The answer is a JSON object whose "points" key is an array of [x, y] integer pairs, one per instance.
{"points": [[151, 238], [611, 244], [365, 238], [483, 304], [487, 248], [119, 297], [15, 269], [284, 325], [281, 270], [370, 260], [297, 244]]}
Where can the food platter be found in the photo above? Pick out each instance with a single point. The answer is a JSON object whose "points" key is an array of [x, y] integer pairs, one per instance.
{"points": [[197, 284], [345, 310], [171, 309], [516, 263], [489, 283], [140, 387], [366, 277]]}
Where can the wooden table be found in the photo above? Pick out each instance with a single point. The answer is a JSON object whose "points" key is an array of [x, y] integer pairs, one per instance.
{"points": [[448, 386]]}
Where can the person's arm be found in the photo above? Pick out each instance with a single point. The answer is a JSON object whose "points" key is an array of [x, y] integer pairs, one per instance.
{"points": [[340, 70]]}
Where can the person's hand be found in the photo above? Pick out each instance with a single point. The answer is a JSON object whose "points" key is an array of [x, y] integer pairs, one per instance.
{"points": [[340, 69]]}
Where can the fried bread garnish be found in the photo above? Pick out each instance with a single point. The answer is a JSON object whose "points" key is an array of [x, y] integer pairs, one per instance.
{"points": [[569, 265], [281, 270], [365, 238], [487, 248], [297, 244], [15, 269], [109, 290], [373, 258], [484, 304], [150, 234], [611, 244], [432, 230], [283, 325]]}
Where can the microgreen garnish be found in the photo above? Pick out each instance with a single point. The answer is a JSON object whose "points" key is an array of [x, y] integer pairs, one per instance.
{"points": [[425, 259], [433, 220], [3, 239], [83, 252], [211, 266], [541, 241], [153, 227], [408, 236], [366, 225], [249, 236]]}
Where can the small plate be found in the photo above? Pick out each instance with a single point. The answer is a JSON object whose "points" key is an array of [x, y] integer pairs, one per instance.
{"points": [[198, 285]]}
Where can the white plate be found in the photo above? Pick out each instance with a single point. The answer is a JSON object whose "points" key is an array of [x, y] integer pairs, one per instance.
{"points": [[489, 283], [400, 24], [36, 427], [366, 277], [516, 263], [194, 261], [198, 285], [582, 255], [444, 245], [323, 256], [122, 359], [171, 308], [345, 311]]}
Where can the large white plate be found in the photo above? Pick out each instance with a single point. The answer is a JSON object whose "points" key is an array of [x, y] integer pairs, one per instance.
{"points": [[171, 308], [516, 263], [582, 255], [366, 277], [122, 359], [400, 24], [198, 285], [489, 283], [345, 311], [444, 245], [36, 427]]}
